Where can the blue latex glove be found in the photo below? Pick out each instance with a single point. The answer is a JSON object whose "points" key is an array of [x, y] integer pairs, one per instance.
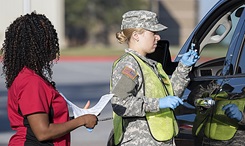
{"points": [[189, 58], [89, 129], [170, 102], [232, 111]]}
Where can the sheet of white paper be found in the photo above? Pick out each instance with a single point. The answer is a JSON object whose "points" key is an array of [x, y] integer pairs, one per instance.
{"points": [[96, 110]]}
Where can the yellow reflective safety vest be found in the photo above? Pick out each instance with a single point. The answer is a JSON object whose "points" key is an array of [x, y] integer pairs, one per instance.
{"points": [[162, 124], [215, 123]]}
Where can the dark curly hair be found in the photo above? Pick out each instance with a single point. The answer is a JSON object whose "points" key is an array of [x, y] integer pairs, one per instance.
{"points": [[30, 41]]}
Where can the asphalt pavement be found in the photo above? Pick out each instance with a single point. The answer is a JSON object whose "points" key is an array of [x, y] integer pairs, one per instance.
{"points": [[79, 81]]}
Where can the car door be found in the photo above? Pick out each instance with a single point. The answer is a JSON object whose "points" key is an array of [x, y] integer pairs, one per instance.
{"points": [[219, 39], [235, 75]]}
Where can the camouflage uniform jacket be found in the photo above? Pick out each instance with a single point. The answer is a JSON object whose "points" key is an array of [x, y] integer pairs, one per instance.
{"points": [[132, 105]]}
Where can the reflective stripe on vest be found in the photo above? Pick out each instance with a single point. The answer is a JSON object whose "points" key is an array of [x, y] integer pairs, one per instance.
{"points": [[162, 124]]}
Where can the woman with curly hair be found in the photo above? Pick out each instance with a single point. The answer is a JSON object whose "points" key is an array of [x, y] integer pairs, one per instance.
{"points": [[36, 110]]}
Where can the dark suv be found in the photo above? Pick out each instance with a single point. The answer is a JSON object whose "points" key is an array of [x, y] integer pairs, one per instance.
{"points": [[219, 38]]}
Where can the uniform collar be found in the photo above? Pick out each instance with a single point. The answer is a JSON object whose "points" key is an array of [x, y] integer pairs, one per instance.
{"points": [[145, 59]]}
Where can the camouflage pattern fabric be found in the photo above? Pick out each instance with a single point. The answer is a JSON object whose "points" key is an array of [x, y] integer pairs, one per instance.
{"points": [[237, 140], [131, 103], [180, 79], [141, 19]]}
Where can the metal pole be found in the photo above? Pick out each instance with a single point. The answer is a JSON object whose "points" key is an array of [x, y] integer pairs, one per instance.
{"points": [[26, 6]]}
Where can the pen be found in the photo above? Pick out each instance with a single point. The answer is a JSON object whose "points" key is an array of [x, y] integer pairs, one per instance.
{"points": [[105, 119]]}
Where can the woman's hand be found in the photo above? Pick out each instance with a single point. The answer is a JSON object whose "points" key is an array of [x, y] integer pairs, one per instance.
{"points": [[189, 58], [233, 112], [90, 121]]}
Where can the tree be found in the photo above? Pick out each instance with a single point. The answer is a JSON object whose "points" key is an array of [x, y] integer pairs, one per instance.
{"points": [[91, 21]]}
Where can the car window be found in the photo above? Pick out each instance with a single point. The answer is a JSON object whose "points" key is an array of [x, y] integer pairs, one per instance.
{"points": [[215, 50]]}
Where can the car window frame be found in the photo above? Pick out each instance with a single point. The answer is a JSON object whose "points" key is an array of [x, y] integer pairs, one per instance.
{"points": [[233, 50], [237, 45]]}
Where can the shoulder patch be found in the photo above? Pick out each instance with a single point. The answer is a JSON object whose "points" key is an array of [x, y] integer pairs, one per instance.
{"points": [[129, 72]]}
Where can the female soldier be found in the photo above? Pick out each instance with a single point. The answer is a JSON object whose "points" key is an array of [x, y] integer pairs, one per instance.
{"points": [[144, 96]]}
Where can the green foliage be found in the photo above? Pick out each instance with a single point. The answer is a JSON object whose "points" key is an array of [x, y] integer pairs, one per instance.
{"points": [[94, 20]]}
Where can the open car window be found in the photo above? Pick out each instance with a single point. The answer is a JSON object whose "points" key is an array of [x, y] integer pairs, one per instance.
{"points": [[216, 43]]}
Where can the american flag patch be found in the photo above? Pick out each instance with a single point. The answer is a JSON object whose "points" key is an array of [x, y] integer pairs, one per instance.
{"points": [[129, 72]]}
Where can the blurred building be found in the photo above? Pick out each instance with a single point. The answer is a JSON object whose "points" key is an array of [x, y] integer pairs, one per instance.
{"points": [[53, 9], [180, 16]]}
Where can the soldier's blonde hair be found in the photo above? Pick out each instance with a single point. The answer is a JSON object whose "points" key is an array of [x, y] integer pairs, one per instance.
{"points": [[125, 35]]}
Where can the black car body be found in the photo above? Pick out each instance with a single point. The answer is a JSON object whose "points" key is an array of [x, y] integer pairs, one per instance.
{"points": [[219, 38]]}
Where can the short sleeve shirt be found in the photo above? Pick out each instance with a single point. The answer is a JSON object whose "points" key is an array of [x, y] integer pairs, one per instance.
{"points": [[31, 94]]}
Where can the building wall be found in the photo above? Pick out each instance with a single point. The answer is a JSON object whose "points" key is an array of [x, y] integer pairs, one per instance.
{"points": [[183, 15], [53, 9], [205, 6]]}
